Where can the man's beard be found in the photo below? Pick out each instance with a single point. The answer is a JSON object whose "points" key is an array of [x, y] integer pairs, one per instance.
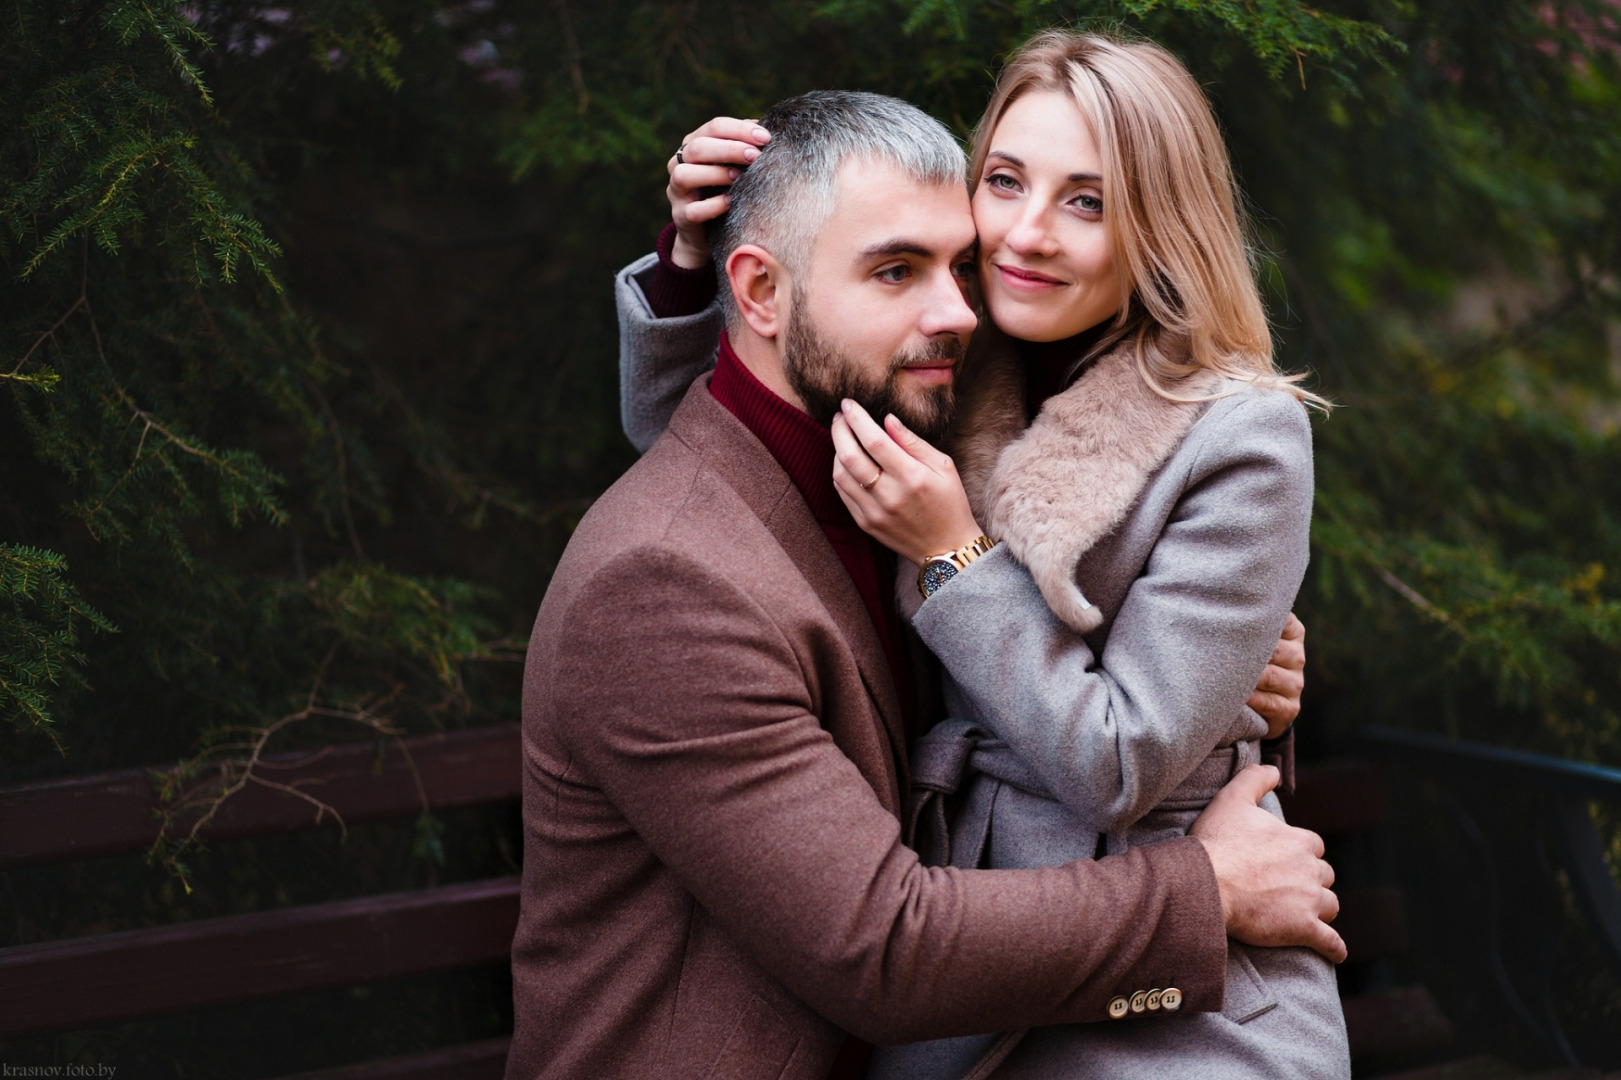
{"points": [[823, 377]]}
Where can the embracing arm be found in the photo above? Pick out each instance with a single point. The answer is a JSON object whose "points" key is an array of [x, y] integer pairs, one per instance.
{"points": [[658, 358], [1111, 736], [704, 739], [669, 323]]}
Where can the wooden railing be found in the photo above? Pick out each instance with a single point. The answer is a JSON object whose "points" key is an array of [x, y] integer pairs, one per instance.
{"points": [[80, 982], [106, 978]]}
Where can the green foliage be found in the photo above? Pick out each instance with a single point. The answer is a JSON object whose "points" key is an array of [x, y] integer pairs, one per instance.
{"points": [[40, 618], [318, 292]]}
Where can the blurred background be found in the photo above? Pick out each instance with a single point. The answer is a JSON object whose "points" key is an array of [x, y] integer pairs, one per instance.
{"points": [[309, 367]]}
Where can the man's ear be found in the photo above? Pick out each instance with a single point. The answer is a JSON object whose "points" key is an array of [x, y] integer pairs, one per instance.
{"points": [[761, 288]]}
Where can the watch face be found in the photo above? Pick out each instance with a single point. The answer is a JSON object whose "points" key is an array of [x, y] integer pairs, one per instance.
{"points": [[936, 574]]}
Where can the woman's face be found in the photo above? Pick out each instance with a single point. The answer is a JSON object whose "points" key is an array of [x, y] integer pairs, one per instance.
{"points": [[1044, 255]]}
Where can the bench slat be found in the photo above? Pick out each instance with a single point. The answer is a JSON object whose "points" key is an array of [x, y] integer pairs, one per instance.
{"points": [[1340, 800], [486, 1060], [82, 982], [1394, 1023], [113, 812], [1373, 922]]}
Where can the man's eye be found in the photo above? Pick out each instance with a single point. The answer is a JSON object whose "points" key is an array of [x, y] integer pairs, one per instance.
{"points": [[895, 274], [964, 270]]}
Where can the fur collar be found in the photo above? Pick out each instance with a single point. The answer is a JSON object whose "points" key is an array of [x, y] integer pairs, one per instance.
{"points": [[1052, 490]]}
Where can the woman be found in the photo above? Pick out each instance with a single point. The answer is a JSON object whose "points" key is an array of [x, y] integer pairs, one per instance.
{"points": [[1123, 433]]}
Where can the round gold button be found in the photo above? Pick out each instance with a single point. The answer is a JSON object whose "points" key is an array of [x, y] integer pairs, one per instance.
{"points": [[1139, 1001], [1170, 999], [1154, 1000], [1118, 1008]]}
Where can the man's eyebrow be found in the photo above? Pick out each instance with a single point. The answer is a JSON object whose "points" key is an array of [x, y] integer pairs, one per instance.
{"points": [[891, 248], [1074, 178]]}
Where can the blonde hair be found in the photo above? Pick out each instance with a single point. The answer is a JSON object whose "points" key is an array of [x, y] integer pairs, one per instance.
{"points": [[1176, 225]]}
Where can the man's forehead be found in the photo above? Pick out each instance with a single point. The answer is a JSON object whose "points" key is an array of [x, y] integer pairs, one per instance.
{"points": [[874, 199]]}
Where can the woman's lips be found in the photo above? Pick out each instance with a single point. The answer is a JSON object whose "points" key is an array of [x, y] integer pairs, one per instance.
{"points": [[1015, 277]]}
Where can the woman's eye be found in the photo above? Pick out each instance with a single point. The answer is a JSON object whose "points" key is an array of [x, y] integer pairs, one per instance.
{"points": [[1090, 203], [1002, 182]]}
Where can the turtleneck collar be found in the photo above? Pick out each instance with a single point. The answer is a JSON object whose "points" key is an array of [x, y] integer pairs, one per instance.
{"points": [[801, 446], [1045, 363]]}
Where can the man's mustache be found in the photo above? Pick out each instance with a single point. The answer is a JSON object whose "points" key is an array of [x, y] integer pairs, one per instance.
{"points": [[930, 355]]}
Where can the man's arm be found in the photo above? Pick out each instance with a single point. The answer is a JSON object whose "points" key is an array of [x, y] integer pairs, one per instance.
{"points": [[682, 700]]}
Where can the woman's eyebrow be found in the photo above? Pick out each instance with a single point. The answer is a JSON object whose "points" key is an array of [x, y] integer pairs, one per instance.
{"points": [[1074, 178]]}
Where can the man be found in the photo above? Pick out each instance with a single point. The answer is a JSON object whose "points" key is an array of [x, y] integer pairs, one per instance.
{"points": [[715, 883]]}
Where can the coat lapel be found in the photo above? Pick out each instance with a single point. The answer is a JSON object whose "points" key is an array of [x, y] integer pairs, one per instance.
{"points": [[744, 463], [1052, 490]]}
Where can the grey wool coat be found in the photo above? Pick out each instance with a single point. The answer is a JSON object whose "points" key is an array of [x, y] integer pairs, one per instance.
{"points": [[1097, 664]]}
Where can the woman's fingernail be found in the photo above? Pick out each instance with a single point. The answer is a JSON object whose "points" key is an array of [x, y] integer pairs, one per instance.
{"points": [[732, 173], [762, 134], [751, 153]]}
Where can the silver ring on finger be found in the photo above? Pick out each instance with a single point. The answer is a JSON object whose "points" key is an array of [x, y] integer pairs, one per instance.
{"points": [[868, 485], [678, 158]]}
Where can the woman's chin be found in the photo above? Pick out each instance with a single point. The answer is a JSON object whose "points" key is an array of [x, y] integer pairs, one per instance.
{"points": [[1030, 322]]}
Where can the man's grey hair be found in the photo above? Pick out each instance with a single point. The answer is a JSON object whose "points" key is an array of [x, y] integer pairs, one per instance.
{"points": [[782, 200]]}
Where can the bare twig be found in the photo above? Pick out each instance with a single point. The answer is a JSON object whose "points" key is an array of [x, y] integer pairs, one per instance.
{"points": [[573, 45]]}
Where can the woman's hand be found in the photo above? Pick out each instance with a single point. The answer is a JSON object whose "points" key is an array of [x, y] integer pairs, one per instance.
{"points": [[710, 158], [902, 492], [1277, 695]]}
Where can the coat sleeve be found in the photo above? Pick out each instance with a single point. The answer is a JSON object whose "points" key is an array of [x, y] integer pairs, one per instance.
{"points": [[693, 712], [658, 358], [1110, 736]]}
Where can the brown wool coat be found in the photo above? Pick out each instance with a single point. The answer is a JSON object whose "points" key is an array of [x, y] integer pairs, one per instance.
{"points": [[714, 880]]}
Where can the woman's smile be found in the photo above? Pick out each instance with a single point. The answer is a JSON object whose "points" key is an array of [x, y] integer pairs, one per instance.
{"points": [[1019, 277]]}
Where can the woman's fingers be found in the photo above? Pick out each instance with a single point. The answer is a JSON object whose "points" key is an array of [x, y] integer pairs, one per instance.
{"points": [[693, 177], [707, 209], [858, 469], [915, 445], [883, 449], [707, 150], [730, 129]]}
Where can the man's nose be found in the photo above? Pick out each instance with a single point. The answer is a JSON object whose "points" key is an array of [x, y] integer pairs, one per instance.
{"points": [[947, 311]]}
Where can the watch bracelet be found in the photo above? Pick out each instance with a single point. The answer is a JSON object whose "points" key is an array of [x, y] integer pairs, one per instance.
{"points": [[959, 558]]}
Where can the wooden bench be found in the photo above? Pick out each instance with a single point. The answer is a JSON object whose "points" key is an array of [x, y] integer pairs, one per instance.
{"points": [[105, 978]]}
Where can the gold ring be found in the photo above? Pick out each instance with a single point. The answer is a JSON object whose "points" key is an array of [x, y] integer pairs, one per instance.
{"points": [[868, 485]]}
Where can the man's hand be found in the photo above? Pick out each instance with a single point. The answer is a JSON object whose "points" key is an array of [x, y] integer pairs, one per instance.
{"points": [[1273, 880], [710, 158], [1277, 695]]}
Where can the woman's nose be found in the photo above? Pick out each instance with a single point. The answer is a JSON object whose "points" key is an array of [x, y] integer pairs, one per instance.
{"points": [[1032, 233]]}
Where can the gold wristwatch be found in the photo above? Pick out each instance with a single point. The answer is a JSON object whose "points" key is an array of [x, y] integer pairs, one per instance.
{"points": [[936, 570]]}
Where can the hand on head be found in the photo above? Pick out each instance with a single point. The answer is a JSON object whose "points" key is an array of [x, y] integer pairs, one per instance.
{"points": [[1273, 880], [901, 491], [1277, 695], [709, 157]]}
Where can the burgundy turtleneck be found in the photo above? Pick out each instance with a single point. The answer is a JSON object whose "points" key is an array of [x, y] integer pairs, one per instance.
{"points": [[804, 449]]}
